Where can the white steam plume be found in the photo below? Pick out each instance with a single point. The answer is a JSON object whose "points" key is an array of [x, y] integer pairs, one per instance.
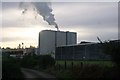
{"points": [[42, 8]]}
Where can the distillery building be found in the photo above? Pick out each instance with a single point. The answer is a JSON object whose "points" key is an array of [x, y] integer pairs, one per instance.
{"points": [[50, 39]]}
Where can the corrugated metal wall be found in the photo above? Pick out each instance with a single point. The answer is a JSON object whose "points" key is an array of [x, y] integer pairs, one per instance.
{"points": [[81, 52]]}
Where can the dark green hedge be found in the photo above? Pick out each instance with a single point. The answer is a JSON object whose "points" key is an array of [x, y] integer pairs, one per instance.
{"points": [[11, 68], [42, 61]]}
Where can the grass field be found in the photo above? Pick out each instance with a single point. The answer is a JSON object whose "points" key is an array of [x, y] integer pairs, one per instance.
{"points": [[101, 63], [101, 69]]}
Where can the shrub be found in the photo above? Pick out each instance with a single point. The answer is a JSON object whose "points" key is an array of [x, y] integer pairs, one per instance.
{"points": [[46, 61], [113, 49], [95, 72], [11, 68], [43, 61], [28, 61]]}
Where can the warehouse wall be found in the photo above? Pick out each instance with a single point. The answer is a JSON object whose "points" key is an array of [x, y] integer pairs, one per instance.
{"points": [[81, 52]]}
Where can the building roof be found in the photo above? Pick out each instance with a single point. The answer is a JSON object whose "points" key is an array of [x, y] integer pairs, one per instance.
{"points": [[78, 44], [87, 43], [56, 31]]}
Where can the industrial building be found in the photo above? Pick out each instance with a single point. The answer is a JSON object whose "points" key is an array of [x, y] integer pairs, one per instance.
{"points": [[16, 53], [85, 51], [49, 40]]}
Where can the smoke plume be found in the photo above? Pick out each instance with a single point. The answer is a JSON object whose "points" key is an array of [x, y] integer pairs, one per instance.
{"points": [[42, 8]]}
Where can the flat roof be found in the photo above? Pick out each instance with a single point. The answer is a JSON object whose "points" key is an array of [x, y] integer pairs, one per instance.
{"points": [[87, 43], [78, 44], [57, 31]]}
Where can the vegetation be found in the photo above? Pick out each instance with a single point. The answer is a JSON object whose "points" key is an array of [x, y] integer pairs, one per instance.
{"points": [[100, 63], [113, 49], [67, 70], [34, 61], [11, 68], [83, 71], [94, 72], [73, 69]]}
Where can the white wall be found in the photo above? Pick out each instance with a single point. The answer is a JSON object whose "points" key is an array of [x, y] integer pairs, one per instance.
{"points": [[71, 38], [47, 42], [61, 38]]}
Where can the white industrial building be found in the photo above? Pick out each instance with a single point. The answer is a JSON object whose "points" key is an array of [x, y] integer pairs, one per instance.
{"points": [[49, 40]]}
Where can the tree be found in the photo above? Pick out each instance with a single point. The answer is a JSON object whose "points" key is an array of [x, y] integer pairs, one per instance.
{"points": [[113, 48], [43, 61], [8, 48]]}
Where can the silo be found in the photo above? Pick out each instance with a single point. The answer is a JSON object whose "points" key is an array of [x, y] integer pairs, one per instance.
{"points": [[46, 42], [71, 38], [49, 40], [60, 38]]}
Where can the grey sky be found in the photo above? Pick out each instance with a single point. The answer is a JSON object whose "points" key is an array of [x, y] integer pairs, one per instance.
{"points": [[88, 19]]}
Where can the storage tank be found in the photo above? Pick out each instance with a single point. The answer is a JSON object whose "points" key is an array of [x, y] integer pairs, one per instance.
{"points": [[49, 40]]}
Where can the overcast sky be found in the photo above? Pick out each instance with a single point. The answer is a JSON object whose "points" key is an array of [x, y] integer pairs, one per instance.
{"points": [[88, 19]]}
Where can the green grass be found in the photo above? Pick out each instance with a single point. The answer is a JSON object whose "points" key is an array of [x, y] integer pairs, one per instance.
{"points": [[101, 63], [87, 71]]}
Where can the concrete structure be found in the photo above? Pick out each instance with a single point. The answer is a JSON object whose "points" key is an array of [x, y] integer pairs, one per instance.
{"points": [[16, 53], [29, 51], [49, 40]]}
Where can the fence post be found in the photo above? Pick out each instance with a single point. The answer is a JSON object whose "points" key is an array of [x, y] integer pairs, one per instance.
{"points": [[81, 64], [72, 64], [59, 67], [65, 64]]}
